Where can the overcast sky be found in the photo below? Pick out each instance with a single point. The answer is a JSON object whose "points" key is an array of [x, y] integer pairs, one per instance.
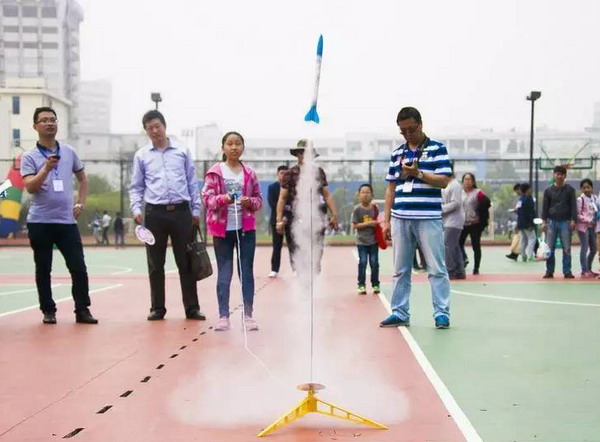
{"points": [[249, 65]]}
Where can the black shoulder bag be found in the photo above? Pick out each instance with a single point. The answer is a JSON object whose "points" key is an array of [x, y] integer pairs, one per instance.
{"points": [[198, 258]]}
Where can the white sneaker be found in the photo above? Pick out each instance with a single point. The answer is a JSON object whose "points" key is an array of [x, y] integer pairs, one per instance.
{"points": [[273, 274], [250, 324], [222, 324]]}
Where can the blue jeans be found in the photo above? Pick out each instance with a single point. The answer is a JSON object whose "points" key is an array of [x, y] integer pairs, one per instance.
{"points": [[429, 233], [368, 254], [224, 251], [588, 243], [559, 229]]}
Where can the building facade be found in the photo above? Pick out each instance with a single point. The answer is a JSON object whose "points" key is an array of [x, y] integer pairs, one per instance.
{"points": [[95, 100], [40, 39]]}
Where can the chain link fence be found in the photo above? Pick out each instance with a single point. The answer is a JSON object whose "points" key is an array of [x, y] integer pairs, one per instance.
{"points": [[109, 181]]}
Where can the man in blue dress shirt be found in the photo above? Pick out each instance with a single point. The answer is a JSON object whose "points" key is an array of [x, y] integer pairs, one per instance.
{"points": [[164, 180], [47, 172]]}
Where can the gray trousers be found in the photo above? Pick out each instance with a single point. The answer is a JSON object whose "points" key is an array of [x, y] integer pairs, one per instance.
{"points": [[454, 258]]}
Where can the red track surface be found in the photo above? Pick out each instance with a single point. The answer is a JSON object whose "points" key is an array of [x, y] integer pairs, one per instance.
{"points": [[56, 379]]}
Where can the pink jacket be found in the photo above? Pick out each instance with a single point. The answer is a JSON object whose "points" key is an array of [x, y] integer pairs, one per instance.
{"points": [[586, 213], [214, 196]]}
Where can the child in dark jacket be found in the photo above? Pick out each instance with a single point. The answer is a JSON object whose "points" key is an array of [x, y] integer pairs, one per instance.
{"points": [[525, 225]]}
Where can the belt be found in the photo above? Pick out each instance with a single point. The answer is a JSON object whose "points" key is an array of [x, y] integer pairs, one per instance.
{"points": [[184, 205]]}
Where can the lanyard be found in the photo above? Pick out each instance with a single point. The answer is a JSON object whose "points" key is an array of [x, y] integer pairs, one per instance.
{"points": [[45, 155], [417, 153]]}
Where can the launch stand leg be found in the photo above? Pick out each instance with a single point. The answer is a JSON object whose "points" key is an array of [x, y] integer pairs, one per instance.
{"points": [[310, 404]]}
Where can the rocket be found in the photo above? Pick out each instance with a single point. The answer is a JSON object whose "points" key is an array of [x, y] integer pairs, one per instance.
{"points": [[312, 114]]}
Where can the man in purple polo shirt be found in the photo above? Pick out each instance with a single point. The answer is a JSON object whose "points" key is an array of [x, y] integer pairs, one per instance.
{"points": [[47, 172], [164, 179]]}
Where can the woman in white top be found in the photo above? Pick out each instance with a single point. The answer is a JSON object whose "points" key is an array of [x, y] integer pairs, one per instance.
{"points": [[474, 226]]}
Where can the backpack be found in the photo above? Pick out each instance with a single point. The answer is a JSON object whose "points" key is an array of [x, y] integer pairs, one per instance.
{"points": [[483, 208]]}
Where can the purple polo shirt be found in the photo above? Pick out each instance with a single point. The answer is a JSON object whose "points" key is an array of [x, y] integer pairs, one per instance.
{"points": [[48, 206]]}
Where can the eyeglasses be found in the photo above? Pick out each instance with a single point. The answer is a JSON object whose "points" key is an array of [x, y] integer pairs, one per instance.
{"points": [[48, 121], [409, 130]]}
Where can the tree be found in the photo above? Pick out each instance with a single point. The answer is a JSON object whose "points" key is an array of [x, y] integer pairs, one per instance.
{"points": [[98, 184]]}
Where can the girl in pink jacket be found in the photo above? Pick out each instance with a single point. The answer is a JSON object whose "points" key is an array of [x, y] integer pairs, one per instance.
{"points": [[231, 195], [587, 210]]}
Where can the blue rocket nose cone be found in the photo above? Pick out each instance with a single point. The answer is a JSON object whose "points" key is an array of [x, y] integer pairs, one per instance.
{"points": [[320, 46]]}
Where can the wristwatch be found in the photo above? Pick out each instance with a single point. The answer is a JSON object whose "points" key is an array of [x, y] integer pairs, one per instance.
{"points": [[78, 206], [421, 175]]}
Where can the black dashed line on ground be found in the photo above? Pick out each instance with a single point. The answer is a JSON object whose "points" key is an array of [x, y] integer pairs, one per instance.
{"points": [[174, 355], [127, 393], [182, 347], [158, 367], [146, 379], [104, 409], [73, 433]]}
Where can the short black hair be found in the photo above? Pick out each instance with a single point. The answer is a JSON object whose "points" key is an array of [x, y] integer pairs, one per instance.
{"points": [[39, 110], [365, 185], [152, 115], [560, 169], [586, 181], [408, 112], [525, 187], [472, 177], [518, 186], [282, 167]]}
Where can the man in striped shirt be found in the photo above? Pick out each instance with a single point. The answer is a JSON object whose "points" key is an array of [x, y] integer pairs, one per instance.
{"points": [[419, 169]]}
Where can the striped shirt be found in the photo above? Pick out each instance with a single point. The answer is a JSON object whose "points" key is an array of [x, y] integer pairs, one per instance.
{"points": [[425, 200]]}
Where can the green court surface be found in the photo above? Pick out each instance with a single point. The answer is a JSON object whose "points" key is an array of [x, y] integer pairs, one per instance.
{"points": [[522, 358]]}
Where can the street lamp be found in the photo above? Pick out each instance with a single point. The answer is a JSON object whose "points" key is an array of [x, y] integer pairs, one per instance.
{"points": [[534, 95], [155, 96]]}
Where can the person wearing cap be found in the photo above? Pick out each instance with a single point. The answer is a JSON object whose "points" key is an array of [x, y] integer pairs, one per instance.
{"points": [[287, 199], [164, 181]]}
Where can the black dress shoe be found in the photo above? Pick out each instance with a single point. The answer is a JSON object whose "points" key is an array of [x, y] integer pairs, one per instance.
{"points": [[156, 315], [85, 317], [49, 318], [195, 314]]}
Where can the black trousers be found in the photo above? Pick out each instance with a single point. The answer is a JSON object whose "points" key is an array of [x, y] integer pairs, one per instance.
{"points": [[474, 231], [277, 240], [177, 225], [42, 238]]}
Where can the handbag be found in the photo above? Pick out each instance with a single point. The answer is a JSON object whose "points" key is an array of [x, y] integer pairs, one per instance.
{"points": [[381, 242], [198, 258]]}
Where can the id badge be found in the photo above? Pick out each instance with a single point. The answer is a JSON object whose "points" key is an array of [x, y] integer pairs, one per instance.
{"points": [[58, 185], [407, 187]]}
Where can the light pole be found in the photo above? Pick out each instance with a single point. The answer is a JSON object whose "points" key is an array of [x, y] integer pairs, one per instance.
{"points": [[534, 95], [155, 96]]}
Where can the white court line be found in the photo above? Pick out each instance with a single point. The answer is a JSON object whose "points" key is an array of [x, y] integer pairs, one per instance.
{"points": [[461, 419], [110, 287], [33, 289], [537, 301]]}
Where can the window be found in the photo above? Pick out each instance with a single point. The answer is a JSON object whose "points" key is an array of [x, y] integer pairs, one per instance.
{"points": [[16, 105], [49, 12], [30, 29], [49, 30], [30, 11], [10, 11], [11, 29], [11, 44], [50, 45], [17, 137], [30, 44]]}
